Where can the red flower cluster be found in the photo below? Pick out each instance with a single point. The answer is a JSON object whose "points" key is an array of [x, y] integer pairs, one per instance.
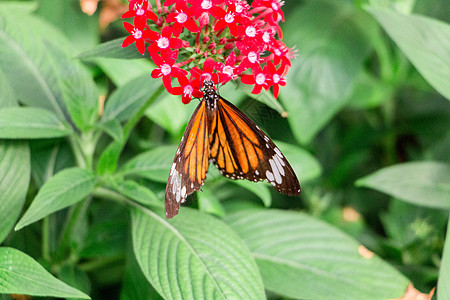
{"points": [[229, 38]]}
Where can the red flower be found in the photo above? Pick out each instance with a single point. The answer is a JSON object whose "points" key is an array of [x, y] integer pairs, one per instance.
{"points": [[276, 78], [163, 41], [140, 12], [258, 78], [138, 34], [208, 73], [274, 14], [181, 20], [229, 69], [165, 69], [209, 6], [186, 89], [230, 18], [251, 60]]}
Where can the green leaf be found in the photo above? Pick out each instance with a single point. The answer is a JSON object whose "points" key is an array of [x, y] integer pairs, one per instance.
{"points": [[301, 257], [21, 274], [75, 277], [136, 68], [113, 129], [135, 191], [62, 190], [333, 45], [209, 202], [107, 163], [135, 285], [265, 97], [182, 260], [31, 123], [23, 46], [79, 27], [77, 87], [154, 164], [259, 189], [105, 239], [425, 41], [14, 180], [128, 99], [402, 6], [305, 166], [18, 6], [162, 113], [420, 183], [443, 287], [113, 49]]}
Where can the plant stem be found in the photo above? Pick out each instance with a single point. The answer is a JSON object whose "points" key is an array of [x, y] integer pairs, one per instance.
{"points": [[99, 263], [46, 239], [75, 213]]}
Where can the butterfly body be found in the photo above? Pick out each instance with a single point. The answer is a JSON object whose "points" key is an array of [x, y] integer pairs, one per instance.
{"points": [[220, 133]]}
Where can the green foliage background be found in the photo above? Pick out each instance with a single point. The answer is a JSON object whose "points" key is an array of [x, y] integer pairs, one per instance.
{"points": [[367, 132]]}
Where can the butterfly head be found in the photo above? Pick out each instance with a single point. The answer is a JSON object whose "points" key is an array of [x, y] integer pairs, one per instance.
{"points": [[210, 94]]}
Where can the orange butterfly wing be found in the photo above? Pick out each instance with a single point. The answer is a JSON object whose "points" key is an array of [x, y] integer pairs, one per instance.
{"points": [[190, 164], [241, 150]]}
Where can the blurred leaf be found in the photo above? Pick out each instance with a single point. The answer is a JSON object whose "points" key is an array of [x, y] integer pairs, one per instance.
{"points": [[113, 129], [43, 163], [64, 189], [29, 123], [171, 114], [107, 162], [425, 41], [14, 180], [302, 257], [208, 202], [305, 166], [76, 278], [136, 68], [105, 239], [126, 101], [333, 43], [259, 189], [21, 274], [265, 97], [154, 164], [370, 92], [32, 78], [443, 288], [18, 6], [67, 16], [136, 192], [113, 49], [175, 258], [135, 285], [14, 170], [420, 183], [401, 6], [77, 87]]}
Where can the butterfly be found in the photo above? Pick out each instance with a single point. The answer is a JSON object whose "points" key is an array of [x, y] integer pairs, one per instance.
{"points": [[219, 132]]}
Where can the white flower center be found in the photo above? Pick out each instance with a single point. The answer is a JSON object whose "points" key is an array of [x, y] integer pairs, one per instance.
{"points": [[181, 17], [140, 11], [260, 78], [137, 34], [187, 91], [266, 37], [276, 78], [239, 8], [275, 6], [250, 31], [166, 69], [277, 52], [206, 77], [206, 4], [229, 17], [252, 57], [163, 43], [229, 70]]}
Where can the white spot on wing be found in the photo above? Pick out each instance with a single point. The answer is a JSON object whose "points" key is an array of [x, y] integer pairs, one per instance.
{"points": [[269, 175], [256, 172], [276, 173], [278, 152], [277, 160]]}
